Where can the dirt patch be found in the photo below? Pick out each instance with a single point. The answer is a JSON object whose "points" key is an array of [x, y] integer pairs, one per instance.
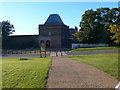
{"points": [[24, 59]]}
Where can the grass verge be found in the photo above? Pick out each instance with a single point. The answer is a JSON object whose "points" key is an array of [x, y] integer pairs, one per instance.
{"points": [[93, 49], [31, 73], [105, 62]]}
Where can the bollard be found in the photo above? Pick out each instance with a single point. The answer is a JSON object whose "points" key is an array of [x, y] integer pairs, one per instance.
{"points": [[50, 51], [16, 52], [40, 53], [61, 53], [12, 52], [56, 53], [8, 53], [45, 53]]}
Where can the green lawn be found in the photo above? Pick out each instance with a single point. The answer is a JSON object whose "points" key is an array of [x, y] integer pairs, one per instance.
{"points": [[94, 48], [30, 73], [105, 62]]}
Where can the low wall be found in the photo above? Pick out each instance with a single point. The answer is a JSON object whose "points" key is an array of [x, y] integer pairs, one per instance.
{"points": [[88, 45]]}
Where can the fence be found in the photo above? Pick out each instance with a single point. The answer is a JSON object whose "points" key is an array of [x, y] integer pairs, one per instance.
{"points": [[47, 52]]}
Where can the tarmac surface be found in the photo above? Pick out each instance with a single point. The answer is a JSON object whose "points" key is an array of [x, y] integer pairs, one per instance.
{"points": [[67, 73], [59, 53], [93, 52]]}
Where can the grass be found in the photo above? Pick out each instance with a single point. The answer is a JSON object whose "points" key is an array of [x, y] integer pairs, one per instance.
{"points": [[105, 62], [30, 73], [93, 49]]}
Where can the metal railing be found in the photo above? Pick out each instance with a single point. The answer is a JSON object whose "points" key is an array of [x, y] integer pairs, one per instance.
{"points": [[47, 52]]}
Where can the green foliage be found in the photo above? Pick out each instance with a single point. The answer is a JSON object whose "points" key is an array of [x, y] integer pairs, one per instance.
{"points": [[76, 37], [95, 24], [115, 30], [7, 29], [31, 73], [105, 62]]}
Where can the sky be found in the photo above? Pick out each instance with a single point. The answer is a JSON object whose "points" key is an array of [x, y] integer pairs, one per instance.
{"points": [[26, 16]]}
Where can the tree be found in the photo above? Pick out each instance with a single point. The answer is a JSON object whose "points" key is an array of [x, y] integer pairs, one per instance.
{"points": [[95, 24], [76, 37], [115, 30], [114, 27], [7, 29], [0, 35], [87, 26], [92, 26]]}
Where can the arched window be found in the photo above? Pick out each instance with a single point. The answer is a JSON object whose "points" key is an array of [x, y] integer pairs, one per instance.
{"points": [[42, 41]]}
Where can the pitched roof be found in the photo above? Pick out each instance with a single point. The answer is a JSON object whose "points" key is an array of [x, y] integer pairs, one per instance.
{"points": [[54, 19]]}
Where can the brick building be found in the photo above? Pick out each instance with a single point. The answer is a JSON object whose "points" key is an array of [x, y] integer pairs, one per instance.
{"points": [[53, 34]]}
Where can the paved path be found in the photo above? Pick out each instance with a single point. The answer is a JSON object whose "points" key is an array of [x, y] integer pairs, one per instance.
{"points": [[67, 73]]}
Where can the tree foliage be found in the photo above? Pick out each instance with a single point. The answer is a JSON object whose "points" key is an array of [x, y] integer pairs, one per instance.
{"points": [[95, 24], [76, 37], [115, 30], [7, 29]]}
